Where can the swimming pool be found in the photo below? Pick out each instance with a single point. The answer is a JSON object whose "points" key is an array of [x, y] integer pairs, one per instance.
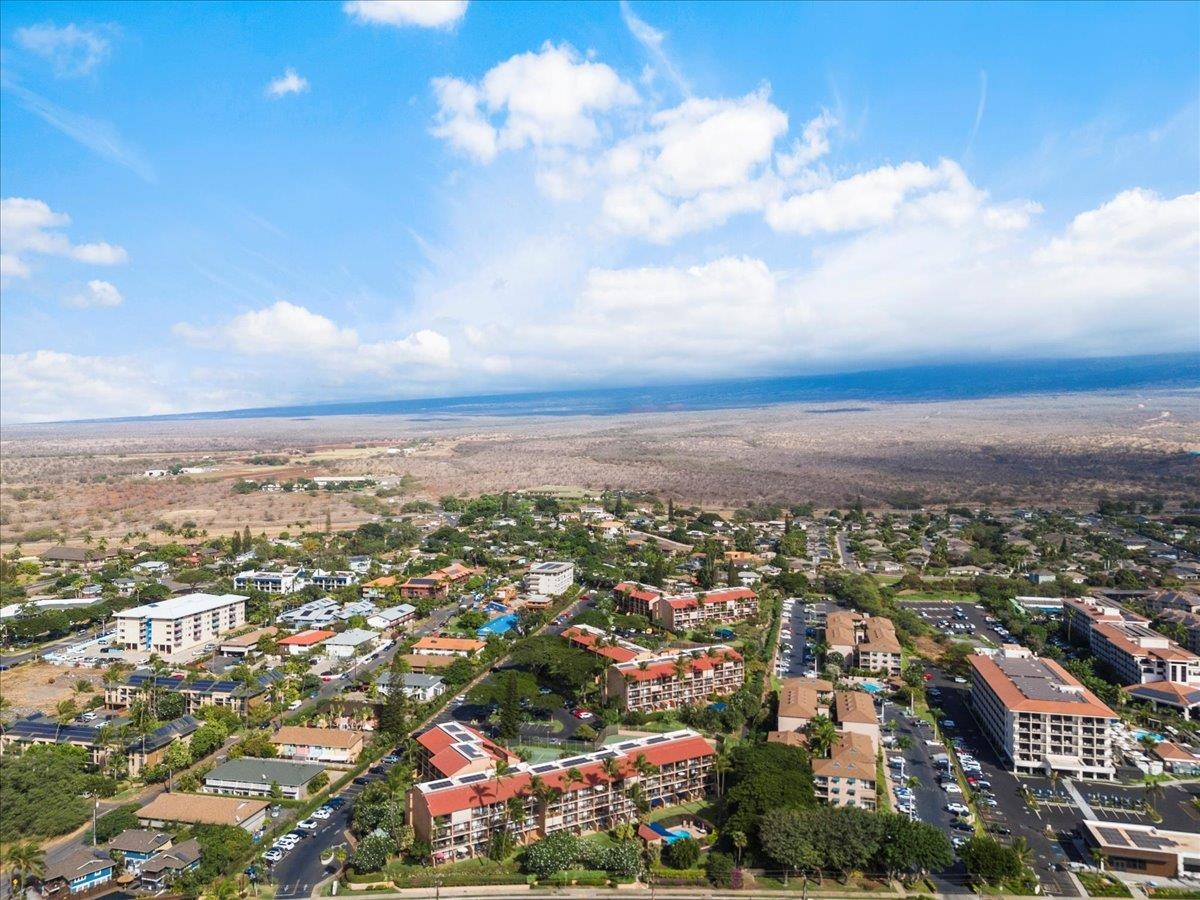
{"points": [[1140, 733], [873, 688], [668, 837], [497, 626]]}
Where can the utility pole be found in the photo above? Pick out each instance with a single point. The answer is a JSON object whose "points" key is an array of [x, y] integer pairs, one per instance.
{"points": [[95, 808]]}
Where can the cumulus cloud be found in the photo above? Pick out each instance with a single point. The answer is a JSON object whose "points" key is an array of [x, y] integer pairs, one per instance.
{"points": [[312, 341], [400, 13], [31, 228], [288, 83], [71, 50], [97, 294], [551, 98], [46, 385]]}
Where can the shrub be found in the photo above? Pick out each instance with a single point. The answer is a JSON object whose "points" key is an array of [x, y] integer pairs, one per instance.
{"points": [[113, 822], [719, 867], [683, 854], [371, 854], [551, 854]]}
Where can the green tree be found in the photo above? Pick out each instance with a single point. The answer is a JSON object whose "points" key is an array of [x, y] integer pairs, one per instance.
{"points": [[682, 854], [990, 861], [554, 853]]}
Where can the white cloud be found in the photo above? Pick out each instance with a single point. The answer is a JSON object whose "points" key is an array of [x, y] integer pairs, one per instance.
{"points": [[288, 83], [422, 13], [30, 227], [71, 50], [652, 40], [313, 342], [542, 100], [97, 294], [879, 197], [46, 385], [811, 146], [694, 166]]}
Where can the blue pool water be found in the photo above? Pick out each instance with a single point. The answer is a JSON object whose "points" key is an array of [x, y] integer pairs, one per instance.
{"points": [[1140, 733], [497, 626], [872, 688], [668, 837]]}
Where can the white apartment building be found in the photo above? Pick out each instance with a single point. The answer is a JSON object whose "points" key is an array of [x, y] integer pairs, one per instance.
{"points": [[1129, 646], [169, 626], [1039, 717], [672, 680], [590, 792], [550, 578], [332, 581], [285, 581]]}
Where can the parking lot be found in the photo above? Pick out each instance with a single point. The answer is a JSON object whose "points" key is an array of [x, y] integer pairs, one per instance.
{"points": [[795, 657], [1011, 811], [960, 619]]}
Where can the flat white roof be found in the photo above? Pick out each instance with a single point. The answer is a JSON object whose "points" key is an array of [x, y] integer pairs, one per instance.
{"points": [[187, 605]]}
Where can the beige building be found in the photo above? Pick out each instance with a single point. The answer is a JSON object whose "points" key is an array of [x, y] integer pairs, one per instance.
{"points": [[863, 641], [1040, 717], [801, 700], [848, 776], [672, 680], [1127, 644], [590, 792], [340, 746], [169, 626], [683, 612]]}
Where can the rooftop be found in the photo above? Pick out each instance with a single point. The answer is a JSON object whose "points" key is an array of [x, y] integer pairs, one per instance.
{"points": [[305, 736], [1031, 684], [187, 605], [265, 771], [200, 809]]}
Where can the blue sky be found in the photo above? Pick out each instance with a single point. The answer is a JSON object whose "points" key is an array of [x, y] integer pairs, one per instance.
{"points": [[223, 205]]}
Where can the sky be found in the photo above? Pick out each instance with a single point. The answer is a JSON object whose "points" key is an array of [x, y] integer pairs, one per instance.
{"points": [[212, 206]]}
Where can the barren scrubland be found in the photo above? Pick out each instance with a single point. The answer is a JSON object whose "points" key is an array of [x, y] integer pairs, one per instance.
{"points": [[85, 479]]}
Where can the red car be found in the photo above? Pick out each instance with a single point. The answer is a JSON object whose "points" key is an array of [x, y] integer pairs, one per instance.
{"points": [[582, 713]]}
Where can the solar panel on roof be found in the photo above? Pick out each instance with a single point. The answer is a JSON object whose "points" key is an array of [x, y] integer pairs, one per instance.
{"points": [[657, 740], [1113, 837], [479, 776], [544, 767], [573, 762], [441, 784], [1147, 841]]}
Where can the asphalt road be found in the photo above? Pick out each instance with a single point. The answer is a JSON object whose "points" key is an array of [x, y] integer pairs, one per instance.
{"points": [[1012, 810]]}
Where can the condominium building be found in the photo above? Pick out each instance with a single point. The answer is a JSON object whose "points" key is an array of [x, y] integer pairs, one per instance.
{"points": [[1040, 717], [451, 749], [550, 578], [595, 791], [286, 581], [331, 581], [681, 612], [847, 777], [196, 692], [800, 701], [436, 584], [1129, 646], [863, 641], [675, 679], [611, 647], [169, 626], [340, 746]]}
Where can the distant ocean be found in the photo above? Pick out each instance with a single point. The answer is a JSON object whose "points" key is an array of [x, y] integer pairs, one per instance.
{"points": [[966, 381]]}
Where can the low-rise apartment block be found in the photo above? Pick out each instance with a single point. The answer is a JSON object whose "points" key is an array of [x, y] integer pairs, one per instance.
{"points": [[682, 612], [847, 777], [1039, 717], [331, 581], [550, 579], [253, 777], [169, 626], [675, 679], [197, 692], [585, 793], [339, 746], [436, 584], [452, 749], [616, 649], [285, 581], [864, 641]]}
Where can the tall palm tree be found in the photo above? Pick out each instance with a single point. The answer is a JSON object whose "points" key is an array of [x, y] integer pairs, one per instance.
{"points": [[739, 841], [25, 860], [612, 769], [1022, 850], [822, 733], [721, 765]]}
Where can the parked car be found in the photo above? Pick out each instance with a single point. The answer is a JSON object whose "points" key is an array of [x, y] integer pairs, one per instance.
{"points": [[958, 809]]}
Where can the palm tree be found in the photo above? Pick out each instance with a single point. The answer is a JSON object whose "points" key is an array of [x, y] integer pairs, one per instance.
{"points": [[25, 859], [1154, 792], [612, 769], [739, 841], [1022, 850], [721, 765], [822, 733], [224, 889]]}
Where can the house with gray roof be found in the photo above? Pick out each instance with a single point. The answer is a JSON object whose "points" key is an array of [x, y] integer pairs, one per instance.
{"points": [[249, 776]]}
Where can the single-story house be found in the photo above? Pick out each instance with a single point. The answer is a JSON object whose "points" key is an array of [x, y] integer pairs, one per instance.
{"points": [[201, 809], [139, 844], [80, 870], [445, 646], [244, 644], [327, 745], [250, 776], [350, 643], [305, 641], [422, 688], [424, 662]]}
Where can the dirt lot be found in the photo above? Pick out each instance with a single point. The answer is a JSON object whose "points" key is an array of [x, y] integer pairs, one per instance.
{"points": [[41, 686], [75, 480]]}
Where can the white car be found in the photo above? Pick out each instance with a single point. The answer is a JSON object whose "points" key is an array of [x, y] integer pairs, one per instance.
{"points": [[308, 824], [951, 788], [273, 855], [957, 808], [323, 813]]}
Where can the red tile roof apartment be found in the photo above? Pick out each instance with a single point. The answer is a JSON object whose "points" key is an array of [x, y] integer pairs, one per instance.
{"points": [[602, 644], [675, 679], [585, 793], [436, 584], [453, 749], [1039, 716], [682, 612]]}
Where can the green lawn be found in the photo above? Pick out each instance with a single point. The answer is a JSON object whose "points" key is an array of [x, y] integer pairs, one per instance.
{"points": [[1098, 885], [939, 596], [701, 808]]}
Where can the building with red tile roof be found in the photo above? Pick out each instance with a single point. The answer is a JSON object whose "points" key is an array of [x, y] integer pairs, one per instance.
{"points": [[603, 644], [451, 749], [304, 641], [590, 792], [676, 678], [683, 612]]}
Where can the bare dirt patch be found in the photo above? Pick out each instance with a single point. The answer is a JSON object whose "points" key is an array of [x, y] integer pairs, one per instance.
{"points": [[41, 687]]}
